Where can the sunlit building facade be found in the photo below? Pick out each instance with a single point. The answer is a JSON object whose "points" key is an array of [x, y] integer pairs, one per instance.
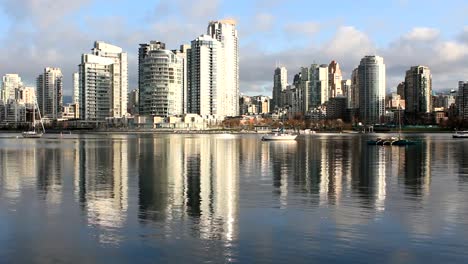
{"points": [[50, 93], [371, 85], [103, 82]]}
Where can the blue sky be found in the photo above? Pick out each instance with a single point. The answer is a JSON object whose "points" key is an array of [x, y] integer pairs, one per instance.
{"points": [[40, 33]]}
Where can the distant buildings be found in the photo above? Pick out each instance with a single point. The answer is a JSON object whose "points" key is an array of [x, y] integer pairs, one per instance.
{"points": [[371, 85], [444, 101], [15, 99], [401, 90], [10, 84], [334, 79], [280, 82], [76, 88], [355, 89], [26, 95], [318, 87], [103, 82], [462, 100], [254, 105], [418, 92], [395, 101], [336, 107], [293, 99], [49, 87], [133, 102], [347, 92]]}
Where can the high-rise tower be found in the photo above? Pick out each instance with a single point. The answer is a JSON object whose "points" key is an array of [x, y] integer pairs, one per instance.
{"points": [[334, 80], [161, 80], [103, 82], [371, 72], [49, 93], [226, 33], [206, 92], [418, 92], [280, 82]]}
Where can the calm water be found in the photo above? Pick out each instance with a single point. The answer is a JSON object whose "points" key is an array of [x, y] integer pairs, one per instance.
{"points": [[215, 198]]}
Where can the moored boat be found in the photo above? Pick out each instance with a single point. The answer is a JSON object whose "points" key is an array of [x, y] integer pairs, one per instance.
{"points": [[391, 141], [460, 134], [279, 137], [33, 133]]}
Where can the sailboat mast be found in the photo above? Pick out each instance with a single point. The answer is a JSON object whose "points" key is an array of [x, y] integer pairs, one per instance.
{"points": [[399, 120], [34, 115]]}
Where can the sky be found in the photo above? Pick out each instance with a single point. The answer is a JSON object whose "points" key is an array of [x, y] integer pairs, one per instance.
{"points": [[54, 33]]}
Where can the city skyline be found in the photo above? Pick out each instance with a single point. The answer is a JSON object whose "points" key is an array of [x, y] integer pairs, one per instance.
{"points": [[265, 37]]}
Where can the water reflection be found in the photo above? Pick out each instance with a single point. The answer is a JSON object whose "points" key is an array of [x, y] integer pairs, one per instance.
{"points": [[220, 196], [102, 184], [17, 171], [49, 173], [195, 178]]}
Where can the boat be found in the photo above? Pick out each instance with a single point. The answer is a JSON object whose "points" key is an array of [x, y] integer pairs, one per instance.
{"points": [[392, 141], [279, 135], [460, 134], [34, 133]]}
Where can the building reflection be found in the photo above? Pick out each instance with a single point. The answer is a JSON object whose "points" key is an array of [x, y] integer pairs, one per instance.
{"points": [[417, 169], [102, 184], [283, 165], [17, 169], [49, 173], [194, 179], [462, 162]]}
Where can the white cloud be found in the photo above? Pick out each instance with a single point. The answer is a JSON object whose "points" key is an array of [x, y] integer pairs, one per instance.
{"points": [[263, 22], [302, 29], [41, 13], [348, 42], [451, 51], [422, 34], [36, 40]]}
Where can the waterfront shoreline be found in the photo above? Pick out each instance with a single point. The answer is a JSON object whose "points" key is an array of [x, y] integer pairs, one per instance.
{"points": [[246, 132]]}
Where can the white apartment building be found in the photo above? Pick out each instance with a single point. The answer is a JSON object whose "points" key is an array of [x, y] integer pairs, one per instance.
{"points": [[161, 73], [371, 74], [206, 85], [76, 88], [226, 33], [10, 83], [103, 82], [27, 95], [49, 93], [182, 53]]}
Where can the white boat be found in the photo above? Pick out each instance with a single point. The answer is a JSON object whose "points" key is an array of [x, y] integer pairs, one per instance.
{"points": [[279, 137], [33, 133], [460, 134]]}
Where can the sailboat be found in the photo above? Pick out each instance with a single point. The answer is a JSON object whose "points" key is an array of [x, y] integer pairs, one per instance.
{"points": [[34, 133], [393, 141]]}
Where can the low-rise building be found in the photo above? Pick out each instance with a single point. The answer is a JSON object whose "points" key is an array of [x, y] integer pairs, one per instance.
{"points": [[71, 111], [336, 107]]}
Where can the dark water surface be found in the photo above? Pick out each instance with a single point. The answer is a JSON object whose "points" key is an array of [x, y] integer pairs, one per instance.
{"points": [[217, 198]]}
